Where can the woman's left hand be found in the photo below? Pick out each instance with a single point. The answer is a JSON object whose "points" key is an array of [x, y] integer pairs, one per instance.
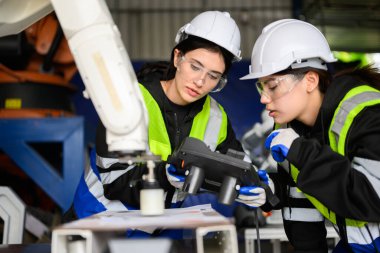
{"points": [[279, 143]]}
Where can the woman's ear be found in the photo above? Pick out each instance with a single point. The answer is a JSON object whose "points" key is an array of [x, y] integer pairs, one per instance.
{"points": [[177, 57], [312, 80]]}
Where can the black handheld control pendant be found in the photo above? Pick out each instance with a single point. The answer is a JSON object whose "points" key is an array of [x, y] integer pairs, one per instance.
{"points": [[216, 172]]}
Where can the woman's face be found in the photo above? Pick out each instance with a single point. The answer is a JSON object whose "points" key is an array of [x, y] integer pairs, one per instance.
{"points": [[289, 97], [198, 72]]}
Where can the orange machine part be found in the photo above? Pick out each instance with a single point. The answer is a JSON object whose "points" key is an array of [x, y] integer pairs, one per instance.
{"points": [[33, 113], [41, 35], [11, 76]]}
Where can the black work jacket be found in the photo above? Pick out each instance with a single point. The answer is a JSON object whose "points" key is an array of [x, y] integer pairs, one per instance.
{"points": [[327, 175]]}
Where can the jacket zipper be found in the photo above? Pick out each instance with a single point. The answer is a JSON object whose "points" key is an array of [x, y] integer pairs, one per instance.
{"points": [[177, 130]]}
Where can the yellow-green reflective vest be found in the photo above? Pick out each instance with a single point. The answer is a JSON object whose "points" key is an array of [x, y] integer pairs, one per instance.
{"points": [[351, 105], [209, 125]]}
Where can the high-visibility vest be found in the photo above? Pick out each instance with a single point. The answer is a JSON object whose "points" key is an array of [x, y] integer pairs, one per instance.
{"points": [[209, 125]]}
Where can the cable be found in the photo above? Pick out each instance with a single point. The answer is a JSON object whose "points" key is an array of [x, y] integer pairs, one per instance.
{"points": [[48, 60], [373, 241], [257, 231]]}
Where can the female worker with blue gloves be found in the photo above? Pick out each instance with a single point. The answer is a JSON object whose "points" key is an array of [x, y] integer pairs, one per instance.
{"points": [[326, 141], [178, 105]]}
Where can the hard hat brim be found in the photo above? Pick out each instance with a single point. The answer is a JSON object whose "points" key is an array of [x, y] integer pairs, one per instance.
{"points": [[249, 76]]}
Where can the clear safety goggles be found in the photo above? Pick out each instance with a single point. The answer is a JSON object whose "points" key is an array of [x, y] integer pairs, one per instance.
{"points": [[204, 75], [276, 87]]}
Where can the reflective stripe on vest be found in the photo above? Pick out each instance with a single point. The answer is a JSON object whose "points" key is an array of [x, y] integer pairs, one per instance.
{"points": [[213, 117], [350, 106], [209, 125], [301, 214]]}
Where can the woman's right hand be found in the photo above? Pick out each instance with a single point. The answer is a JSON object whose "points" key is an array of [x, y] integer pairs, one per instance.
{"points": [[174, 178]]}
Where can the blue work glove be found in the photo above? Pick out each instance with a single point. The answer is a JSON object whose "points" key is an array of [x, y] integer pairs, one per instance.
{"points": [[279, 142], [174, 178], [254, 196]]}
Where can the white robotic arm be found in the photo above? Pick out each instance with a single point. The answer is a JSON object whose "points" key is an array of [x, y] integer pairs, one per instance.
{"points": [[101, 59], [106, 70], [107, 73]]}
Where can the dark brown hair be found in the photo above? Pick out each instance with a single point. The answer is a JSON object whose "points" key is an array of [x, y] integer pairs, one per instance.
{"points": [[369, 74]]}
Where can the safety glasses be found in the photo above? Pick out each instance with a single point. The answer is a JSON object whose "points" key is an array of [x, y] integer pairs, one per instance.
{"points": [[276, 87], [203, 75]]}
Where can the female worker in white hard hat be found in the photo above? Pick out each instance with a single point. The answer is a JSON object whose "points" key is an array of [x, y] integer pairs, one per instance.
{"points": [[326, 141], [178, 104]]}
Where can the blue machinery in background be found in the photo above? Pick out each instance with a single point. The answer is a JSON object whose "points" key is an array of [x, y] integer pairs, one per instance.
{"points": [[15, 134]]}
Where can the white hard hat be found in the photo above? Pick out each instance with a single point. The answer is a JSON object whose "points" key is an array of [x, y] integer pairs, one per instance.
{"points": [[288, 43], [214, 26]]}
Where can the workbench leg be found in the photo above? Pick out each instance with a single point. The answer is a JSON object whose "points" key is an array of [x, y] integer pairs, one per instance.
{"points": [[276, 244], [249, 246]]}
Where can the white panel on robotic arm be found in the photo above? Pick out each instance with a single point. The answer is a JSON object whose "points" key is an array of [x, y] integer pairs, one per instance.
{"points": [[16, 16], [106, 71]]}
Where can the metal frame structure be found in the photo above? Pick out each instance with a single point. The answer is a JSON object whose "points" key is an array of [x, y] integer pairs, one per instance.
{"points": [[15, 134]]}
